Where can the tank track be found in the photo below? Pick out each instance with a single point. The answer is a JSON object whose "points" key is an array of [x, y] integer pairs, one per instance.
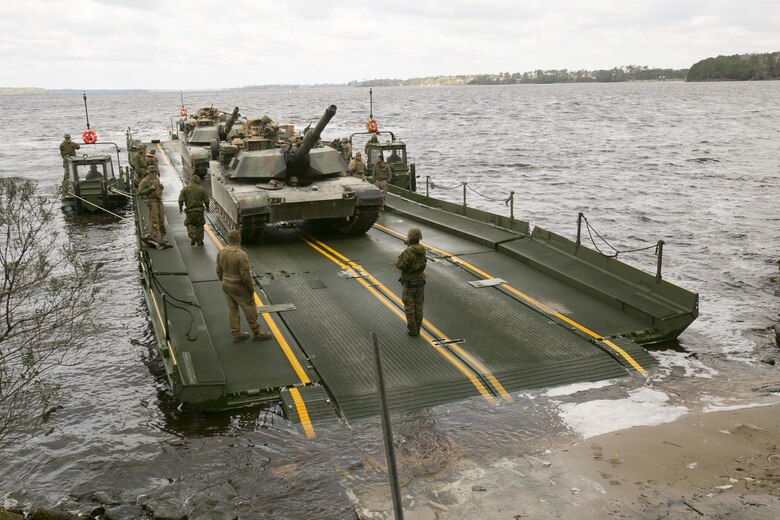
{"points": [[251, 228], [357, 224]]}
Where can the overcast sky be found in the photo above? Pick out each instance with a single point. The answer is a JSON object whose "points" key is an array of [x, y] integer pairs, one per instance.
{"points": [[191, 44]]}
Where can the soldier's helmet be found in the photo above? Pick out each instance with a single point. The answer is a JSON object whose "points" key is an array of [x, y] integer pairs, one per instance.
{"points": [[152, 151], [195, 179], [151, 169], [344, 140], [66, 136], [358, 155], [265, 120], [414, 235], [234, 237]]}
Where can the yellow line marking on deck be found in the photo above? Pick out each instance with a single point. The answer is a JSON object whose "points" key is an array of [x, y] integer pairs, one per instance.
{"points": [[302, 413], [383, 295], [281, 340], [625, 355], [283, 344]]}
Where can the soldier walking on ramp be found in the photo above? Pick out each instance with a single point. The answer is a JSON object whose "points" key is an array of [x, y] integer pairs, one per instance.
{"points": [[412, 263], [237, 284], [150, 190], [67, 149], [197, 201]]}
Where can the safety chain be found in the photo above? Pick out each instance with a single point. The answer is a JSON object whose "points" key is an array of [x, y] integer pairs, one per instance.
{"points": [[592, 231], [434, 186]]}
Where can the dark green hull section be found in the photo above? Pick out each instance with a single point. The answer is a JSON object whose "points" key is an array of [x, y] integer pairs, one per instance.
{"points": [[559, 313]]}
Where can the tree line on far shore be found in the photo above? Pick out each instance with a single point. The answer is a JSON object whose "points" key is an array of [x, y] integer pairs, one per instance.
{"points": [[616, 74], [739, 67]]}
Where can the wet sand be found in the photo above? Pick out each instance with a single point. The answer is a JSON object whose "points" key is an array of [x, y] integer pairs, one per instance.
{"points": [[704, 465]]}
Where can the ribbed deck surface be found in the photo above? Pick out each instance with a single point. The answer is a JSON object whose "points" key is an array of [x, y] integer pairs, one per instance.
{"points": [[500, 341]]}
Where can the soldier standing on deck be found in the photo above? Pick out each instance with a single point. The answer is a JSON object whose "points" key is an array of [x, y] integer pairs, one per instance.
{"points": [[357, 168], [237, 284], [346, 149], [382, 176], [197, 201], [150, 190], [67, 149], [412, 263]]}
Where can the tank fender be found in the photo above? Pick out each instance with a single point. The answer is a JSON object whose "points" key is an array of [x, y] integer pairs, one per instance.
{"points": [[367, 195]]}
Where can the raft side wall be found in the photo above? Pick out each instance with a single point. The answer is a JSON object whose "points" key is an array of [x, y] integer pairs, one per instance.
{"points": [[516, 225], [674, 295]]}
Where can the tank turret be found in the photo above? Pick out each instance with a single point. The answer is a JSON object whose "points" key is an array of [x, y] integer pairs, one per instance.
{"points": [[270, 176]]}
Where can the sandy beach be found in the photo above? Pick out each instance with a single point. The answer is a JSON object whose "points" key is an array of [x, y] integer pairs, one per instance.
{"points": [[722, 464]]}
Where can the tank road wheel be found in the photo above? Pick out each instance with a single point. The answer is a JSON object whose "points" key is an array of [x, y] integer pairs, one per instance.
{"points": [[356, 224]]}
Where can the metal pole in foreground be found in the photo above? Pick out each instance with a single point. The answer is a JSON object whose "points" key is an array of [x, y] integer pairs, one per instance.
{"points": [[387, 431], [86, 111]]}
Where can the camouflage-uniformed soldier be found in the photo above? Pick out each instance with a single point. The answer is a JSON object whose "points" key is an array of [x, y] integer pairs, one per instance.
{"points": [[357, 168], [67, 149], [142, 161], [93, 173], [151, 160], [150, 190], [135, 158], [412, 263], [195, 198], [382, 174], [236, 275], [371, 140], [346, 149]]}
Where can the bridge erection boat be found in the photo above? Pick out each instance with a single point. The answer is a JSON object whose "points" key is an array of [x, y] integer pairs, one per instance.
{"points": [[507, 308]]}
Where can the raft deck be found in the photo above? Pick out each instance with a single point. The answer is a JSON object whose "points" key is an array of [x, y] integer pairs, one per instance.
{"points": [[505, 310]]}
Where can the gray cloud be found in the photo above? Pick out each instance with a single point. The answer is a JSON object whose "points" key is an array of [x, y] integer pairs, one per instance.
{"points": [[197, 44]]}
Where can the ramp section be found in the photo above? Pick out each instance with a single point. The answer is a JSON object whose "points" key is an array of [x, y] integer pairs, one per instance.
{"points": [[661, 305], [495, 334], [319, 407], [334, 322]]}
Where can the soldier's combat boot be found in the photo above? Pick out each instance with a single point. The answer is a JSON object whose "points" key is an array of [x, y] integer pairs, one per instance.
{"points": [[262, 336], [241, 337]]}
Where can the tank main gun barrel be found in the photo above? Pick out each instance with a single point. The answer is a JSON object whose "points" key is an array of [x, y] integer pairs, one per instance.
{"points": [[313, 135], [231, 121]]}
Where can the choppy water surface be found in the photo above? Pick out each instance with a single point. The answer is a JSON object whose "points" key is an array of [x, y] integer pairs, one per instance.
{"points": [[694, 164]]}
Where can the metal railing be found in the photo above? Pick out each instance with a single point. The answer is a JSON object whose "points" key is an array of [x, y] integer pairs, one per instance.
{"points": [[658, 246], [509, 201]]}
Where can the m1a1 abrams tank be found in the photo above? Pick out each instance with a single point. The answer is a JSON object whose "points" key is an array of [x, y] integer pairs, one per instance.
{"points": [[200, 135], [259, 180]]}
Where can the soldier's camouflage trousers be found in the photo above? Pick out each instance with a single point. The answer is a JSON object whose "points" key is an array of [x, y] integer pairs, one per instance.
{"points": [[237, 295], [413, 298], [156, 218], [195, 221]]}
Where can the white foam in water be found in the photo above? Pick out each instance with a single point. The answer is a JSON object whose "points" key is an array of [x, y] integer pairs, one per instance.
{"points": [[576, 387], [643, 407], [714, 408], [693, 367]]}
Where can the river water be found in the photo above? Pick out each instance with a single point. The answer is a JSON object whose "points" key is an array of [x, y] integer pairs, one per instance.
{"points": [[697, 165]]}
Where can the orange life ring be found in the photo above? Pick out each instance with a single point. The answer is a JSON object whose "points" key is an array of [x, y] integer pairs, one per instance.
{"points": [[183, 112], [371, 126], [89, 136]]}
